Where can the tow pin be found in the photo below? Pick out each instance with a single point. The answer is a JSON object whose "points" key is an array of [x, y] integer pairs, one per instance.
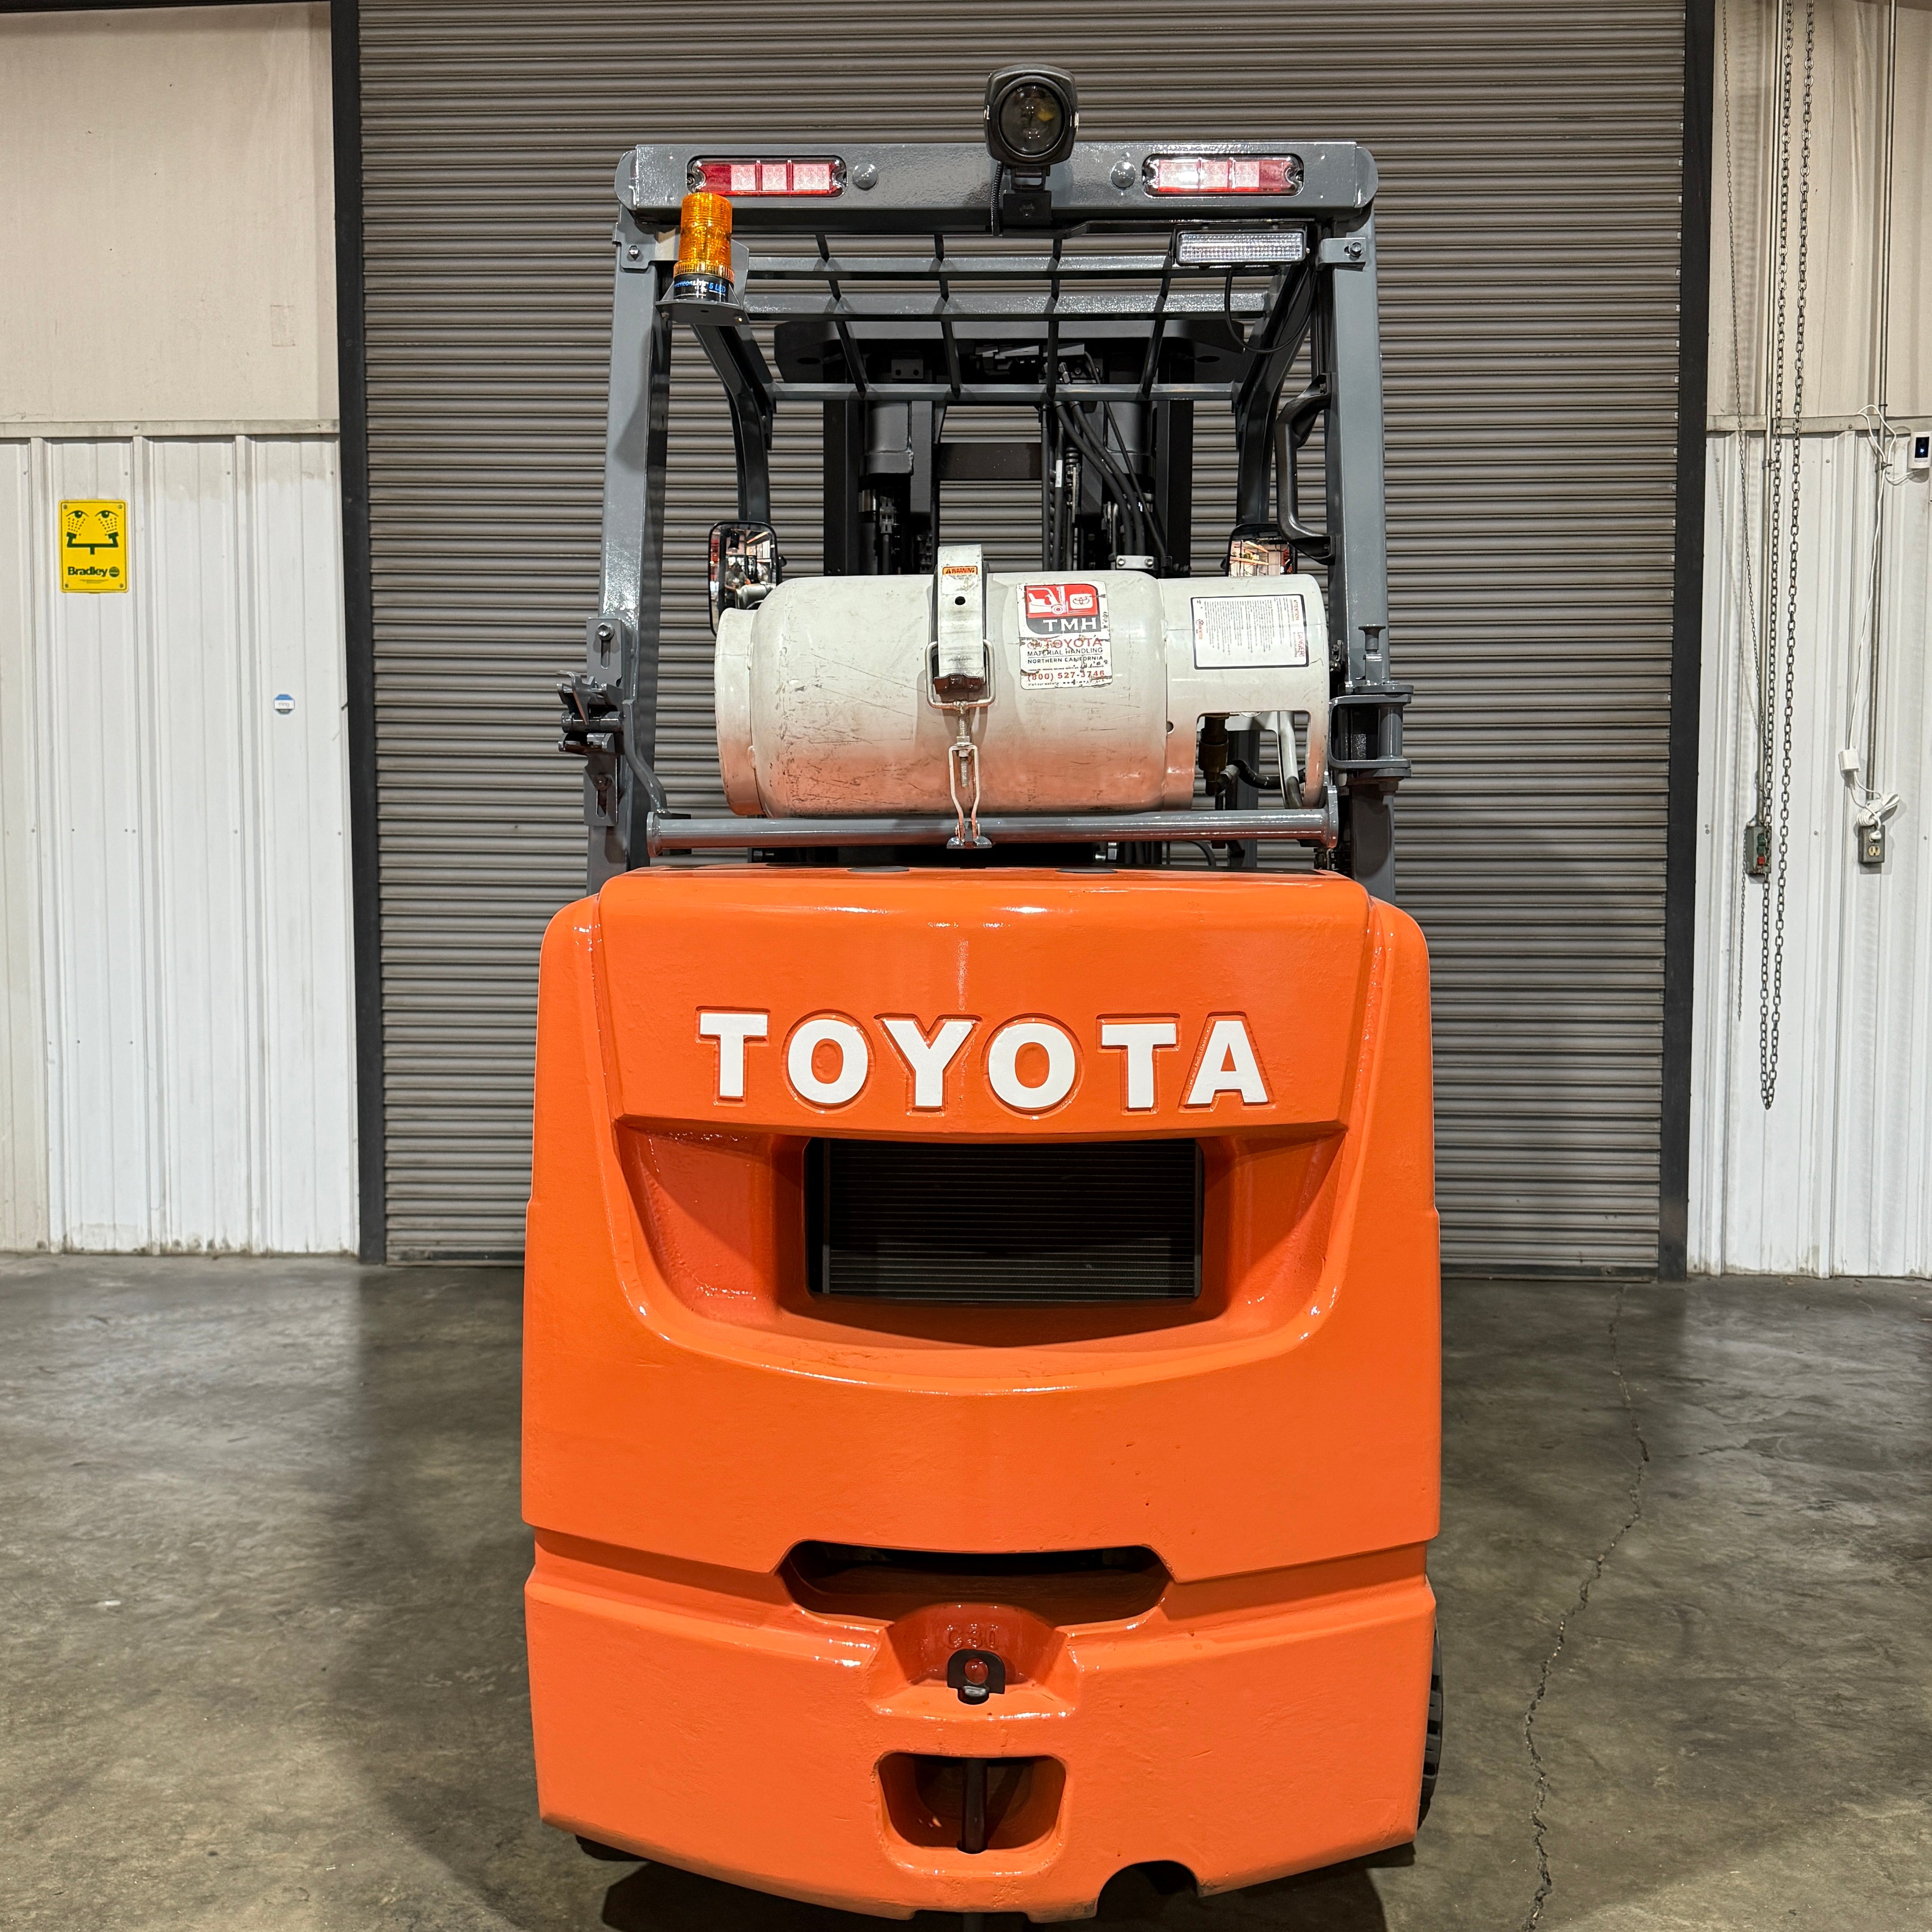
{"points": [[977, 1674]]}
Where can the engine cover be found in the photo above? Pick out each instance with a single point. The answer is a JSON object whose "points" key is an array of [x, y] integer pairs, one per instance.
{"points": [[1099, 680]]}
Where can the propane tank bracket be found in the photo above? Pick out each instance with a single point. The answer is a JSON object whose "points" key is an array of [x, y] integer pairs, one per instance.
{"points": [[961, 673]]}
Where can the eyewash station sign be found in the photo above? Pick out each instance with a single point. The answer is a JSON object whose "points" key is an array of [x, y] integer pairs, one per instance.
{"points": [[94, 545]]}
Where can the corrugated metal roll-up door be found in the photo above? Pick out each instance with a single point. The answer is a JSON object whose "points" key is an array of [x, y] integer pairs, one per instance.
{"points": [[1530, 160]]}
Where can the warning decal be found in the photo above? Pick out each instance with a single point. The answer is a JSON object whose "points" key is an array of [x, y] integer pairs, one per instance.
{"points": [[94, 546], [1064, 638], [1249, 633]]}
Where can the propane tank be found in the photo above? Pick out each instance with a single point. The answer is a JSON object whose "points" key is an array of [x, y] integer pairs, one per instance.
{"points": [[830, 697]]}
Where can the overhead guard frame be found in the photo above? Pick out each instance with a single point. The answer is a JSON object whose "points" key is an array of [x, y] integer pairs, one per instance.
{"points": [[931, 192]]}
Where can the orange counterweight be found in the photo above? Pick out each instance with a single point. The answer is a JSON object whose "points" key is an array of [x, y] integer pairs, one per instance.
{"points": [[779, 1531]]}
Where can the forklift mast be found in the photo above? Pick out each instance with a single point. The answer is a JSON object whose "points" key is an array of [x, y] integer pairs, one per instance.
{"points": [[1113, 292]]}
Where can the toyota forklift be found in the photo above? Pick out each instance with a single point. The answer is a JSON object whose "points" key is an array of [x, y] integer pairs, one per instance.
{"points": [[981, 1416]]}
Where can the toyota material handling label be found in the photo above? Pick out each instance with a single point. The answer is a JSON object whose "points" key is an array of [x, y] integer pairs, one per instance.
{"points": [[1249, 633], [1064, 638]]}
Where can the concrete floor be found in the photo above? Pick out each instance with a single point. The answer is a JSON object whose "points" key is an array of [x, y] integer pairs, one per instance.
{"points": [[263, 1647]]}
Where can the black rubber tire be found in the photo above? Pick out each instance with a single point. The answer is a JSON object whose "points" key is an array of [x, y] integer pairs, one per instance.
{"points": [[592, 1848], [1432, 1739]]}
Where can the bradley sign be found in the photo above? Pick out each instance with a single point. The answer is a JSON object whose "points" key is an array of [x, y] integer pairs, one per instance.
{"points": [[1030, 1064]]}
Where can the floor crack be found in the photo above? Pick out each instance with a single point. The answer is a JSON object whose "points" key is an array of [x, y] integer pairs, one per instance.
{"points": [[1539, 1823]]}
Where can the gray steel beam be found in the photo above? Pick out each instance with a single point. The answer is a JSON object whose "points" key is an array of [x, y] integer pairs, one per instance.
{"points": [[948, 187], [1313, 826], [801, 304], [991, 268], [622, 645], [739, 366], [1358, 572], [1003, 395], [1358, 550], [1275, 347]]}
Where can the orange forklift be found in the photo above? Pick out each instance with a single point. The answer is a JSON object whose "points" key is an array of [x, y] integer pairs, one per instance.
{"points": [[981, 1367]]}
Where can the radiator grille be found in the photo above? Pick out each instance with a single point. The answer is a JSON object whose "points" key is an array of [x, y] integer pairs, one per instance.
{"points": [[1036, 1221]]}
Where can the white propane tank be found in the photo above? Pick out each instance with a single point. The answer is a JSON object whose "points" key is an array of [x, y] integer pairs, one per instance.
{"points": [[1099, 681]]}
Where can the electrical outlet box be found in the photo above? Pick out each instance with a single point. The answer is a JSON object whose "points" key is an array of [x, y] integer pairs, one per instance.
{"points": [[1871, 845]]}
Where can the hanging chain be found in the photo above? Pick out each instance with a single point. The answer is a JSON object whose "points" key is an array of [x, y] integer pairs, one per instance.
{"points": [[1774, 445], [1771, 1011], [1748, 596], [1744, 594], [1771, 506]]}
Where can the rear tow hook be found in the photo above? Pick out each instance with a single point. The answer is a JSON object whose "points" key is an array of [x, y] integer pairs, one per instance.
{"points": [[977, 1674]]}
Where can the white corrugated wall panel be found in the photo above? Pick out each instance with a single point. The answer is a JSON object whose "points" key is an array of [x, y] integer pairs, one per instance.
{"points": [[97, 972], [188, 844], [1832, 1178], [307, 1040], [1846, 196], [23, 1102]]}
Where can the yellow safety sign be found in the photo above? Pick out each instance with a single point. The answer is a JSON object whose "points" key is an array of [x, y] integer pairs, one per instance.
{"points": [[94, 546]]}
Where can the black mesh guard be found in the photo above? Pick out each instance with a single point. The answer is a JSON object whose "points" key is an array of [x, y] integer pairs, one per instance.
{"points": [[1034, 1222]]}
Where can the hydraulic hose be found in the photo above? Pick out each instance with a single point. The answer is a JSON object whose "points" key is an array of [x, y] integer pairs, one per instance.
{"points": [[1119, 487]]}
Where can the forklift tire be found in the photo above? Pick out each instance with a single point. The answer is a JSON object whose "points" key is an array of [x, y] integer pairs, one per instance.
{"points": [[1432, 1738], [591, 1849]]}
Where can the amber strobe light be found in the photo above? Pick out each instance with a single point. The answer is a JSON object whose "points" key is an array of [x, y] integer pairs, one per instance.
{"points": [[703, 272]]}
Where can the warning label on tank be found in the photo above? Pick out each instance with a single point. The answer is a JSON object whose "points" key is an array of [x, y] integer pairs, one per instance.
{"points": [[1249, 633], [1064, 638]]}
